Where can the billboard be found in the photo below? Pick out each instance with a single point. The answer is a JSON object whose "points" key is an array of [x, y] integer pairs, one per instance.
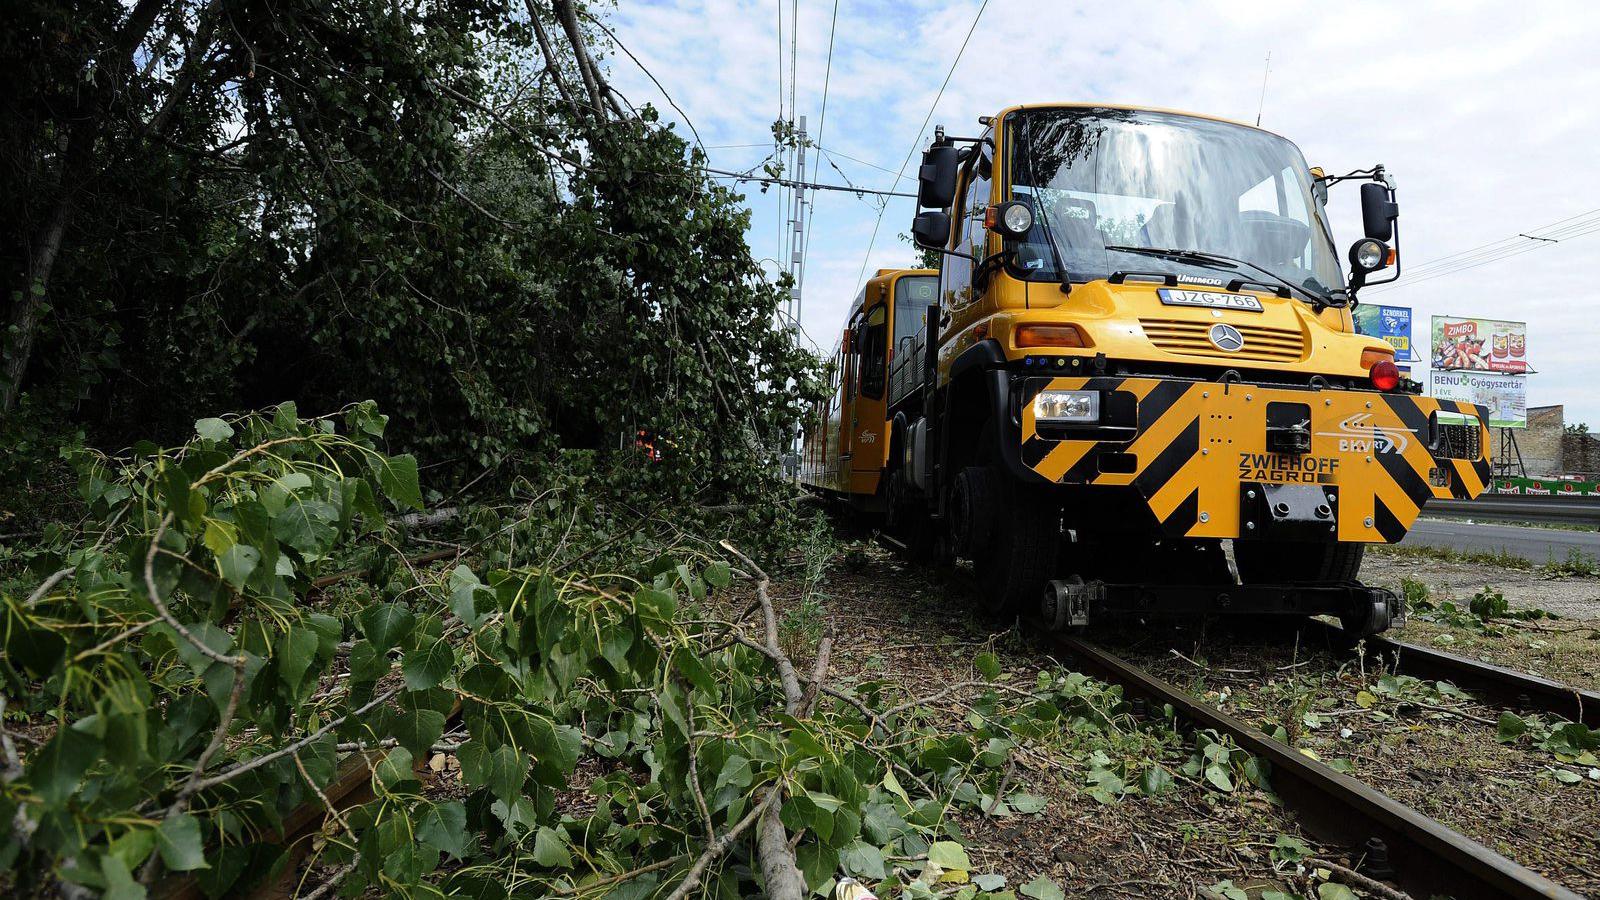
{"points": [[1484, 345], [1505, 396], [1390, 323]]}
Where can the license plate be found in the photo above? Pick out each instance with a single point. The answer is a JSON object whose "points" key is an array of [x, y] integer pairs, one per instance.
{"points": [[1210, 299]]}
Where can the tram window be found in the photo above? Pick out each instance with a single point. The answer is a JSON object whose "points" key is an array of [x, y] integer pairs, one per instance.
{"points": [[874, 358], [913, 296]]}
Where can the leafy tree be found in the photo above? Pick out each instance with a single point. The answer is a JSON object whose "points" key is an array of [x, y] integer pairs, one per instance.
{"points": [[223, 204]]}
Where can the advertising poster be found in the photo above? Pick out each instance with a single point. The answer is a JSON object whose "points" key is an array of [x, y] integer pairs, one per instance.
{"points": [[1484, 345], [1392, 324], [1505, 396]]}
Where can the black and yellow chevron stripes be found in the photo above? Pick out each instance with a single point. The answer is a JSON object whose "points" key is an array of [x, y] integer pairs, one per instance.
{"points": [[1197, 442]]}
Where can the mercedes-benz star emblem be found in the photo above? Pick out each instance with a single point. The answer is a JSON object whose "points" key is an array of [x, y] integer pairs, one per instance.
{"points": [[1226, 338]]}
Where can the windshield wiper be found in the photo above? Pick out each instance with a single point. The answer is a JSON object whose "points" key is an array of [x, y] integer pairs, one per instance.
{"points": [[1216, 259]]}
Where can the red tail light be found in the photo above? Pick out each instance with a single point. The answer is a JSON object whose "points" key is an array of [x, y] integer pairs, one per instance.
{"points": [[1385, 375]]}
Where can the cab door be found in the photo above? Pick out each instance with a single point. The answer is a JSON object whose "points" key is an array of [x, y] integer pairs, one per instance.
{"points": [[868, 426]]}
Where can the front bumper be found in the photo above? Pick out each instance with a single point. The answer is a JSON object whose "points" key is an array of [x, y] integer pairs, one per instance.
{"points": [[1213, 460]]}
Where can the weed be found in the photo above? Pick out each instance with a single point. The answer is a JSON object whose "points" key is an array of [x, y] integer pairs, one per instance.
{"points": [[1577, 563], [1415, 593], [1502, 558]]}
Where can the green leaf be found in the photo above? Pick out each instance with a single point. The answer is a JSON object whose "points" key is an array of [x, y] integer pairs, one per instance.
{"points": [[863, 860], [396, 766], [1567, 776], [1155, 781], [36, 649], [550, 850], [507, 772], [178, 839], [989, 881], [426, 667], [950, 856], [1511, 727], [1219, 778], [1043, 888], [1288, 848], [988, 664], [306, 525], [120, 884], [213, 429], [367, 663], [386, 624], [417, 729], [718, 575], [58, 766], [397, 475], [1026, 804], [444, 828], [297, 649], [1334, 891], [237, 562]]}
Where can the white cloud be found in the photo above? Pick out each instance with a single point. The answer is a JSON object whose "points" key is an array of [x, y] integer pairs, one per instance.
{"points": [[1484, 113]]}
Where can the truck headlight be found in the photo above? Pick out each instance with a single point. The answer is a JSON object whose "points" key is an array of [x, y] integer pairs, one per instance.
{"points": [[1067, 406]]}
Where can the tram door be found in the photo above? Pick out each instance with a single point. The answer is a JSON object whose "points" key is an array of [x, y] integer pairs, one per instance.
{"points": [[868, 430]]}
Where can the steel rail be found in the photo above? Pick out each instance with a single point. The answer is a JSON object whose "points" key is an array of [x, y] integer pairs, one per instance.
{"points": [[1508, 687], [1429, 858]]}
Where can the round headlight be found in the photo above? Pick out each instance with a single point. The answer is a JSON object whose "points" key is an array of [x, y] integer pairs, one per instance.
{"points": [[1369, 255], [1016, 219]]}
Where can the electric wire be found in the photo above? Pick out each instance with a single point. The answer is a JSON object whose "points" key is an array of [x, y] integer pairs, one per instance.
{"points": [[822, 122], [918, 139], [1543, 237]]}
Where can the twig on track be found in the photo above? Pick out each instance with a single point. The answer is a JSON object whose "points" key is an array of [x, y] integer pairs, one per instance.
{"points": [[1352, 878]]}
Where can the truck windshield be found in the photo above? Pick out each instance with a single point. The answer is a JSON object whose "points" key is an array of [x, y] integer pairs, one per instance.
{"points": [[1109, 186]]}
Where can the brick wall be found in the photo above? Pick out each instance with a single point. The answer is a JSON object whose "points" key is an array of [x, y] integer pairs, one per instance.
{"points": [[1543, 443]]}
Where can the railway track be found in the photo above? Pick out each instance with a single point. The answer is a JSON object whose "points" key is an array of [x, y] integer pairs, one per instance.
{"points": [[1428, 858], [1508, 687]]}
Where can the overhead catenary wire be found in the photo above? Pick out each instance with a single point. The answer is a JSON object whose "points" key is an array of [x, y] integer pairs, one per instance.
{"points": [[807, 185], [1543, 237], [918, 139], [822, 123]]}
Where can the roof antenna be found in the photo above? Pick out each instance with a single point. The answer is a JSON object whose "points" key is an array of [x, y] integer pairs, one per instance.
{"points": [[1263, 101]]}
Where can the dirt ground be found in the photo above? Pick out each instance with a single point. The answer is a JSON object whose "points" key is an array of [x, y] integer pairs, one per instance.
{"points": [[1566, 649], [905, 627]]}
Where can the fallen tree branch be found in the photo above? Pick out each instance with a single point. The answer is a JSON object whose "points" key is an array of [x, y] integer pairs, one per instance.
{"points": [[691, 879]]}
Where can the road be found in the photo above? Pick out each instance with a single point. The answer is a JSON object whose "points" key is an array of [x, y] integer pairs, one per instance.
{"points": [[1537, 545]]}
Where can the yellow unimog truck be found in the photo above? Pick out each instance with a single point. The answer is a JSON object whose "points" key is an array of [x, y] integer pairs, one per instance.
{"points": [[1138, 346]]}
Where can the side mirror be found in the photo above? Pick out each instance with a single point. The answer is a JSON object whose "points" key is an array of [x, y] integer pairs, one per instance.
{"points": [[936, 180], [931, 229], [1378, 211]]}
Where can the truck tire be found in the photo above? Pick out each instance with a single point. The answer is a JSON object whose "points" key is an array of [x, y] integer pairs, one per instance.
{"points": [[1275, 562], [1019, 553]]}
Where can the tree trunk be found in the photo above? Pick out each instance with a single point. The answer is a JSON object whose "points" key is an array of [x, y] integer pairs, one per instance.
{"points": [[586, 67], [25, 316]]}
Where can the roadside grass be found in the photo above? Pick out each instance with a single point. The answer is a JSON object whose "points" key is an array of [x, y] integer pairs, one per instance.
{"points": [[1499, 558], [1576, 564]]}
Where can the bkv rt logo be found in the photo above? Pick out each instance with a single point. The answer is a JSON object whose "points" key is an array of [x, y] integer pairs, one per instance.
{"points": [[1357, 434]]}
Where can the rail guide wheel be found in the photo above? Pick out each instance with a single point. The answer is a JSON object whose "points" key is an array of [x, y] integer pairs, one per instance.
{"points": [[1065, 605]]}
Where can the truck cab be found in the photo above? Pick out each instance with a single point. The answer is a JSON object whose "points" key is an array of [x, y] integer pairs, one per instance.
{"points": [[1142, 349]]}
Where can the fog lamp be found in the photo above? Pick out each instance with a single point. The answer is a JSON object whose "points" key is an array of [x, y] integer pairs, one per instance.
{"points": [[1081, 407]]}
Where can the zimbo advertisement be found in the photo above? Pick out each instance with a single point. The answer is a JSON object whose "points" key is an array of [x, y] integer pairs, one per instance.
{"points": [[1505, 396], [1392, 324], [1485, 345]]}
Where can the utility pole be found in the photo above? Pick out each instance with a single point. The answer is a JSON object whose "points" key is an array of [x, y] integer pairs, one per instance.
{"points": [[797, 222]]}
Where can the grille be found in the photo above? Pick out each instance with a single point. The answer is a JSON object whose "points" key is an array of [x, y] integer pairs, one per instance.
{"points": [[1260, 341], [1456, 441]]}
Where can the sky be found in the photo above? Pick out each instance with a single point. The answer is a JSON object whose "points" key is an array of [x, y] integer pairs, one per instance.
{"points": [[1484, 113]]}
